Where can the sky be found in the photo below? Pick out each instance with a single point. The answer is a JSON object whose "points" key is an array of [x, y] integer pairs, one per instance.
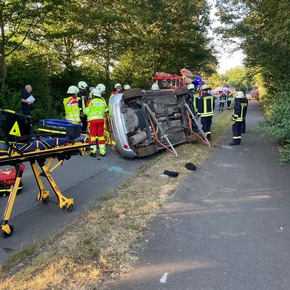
{"points": [[228, 61]]}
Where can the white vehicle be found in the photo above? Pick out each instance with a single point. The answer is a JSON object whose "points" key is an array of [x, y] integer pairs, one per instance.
{"points": [[144, 122]]}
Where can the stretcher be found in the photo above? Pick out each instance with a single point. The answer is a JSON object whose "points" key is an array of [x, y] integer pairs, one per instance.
{"points": [[18, 145]]}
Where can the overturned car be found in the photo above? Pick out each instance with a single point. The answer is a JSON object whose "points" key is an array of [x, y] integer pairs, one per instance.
{"points": [[144, 122]]}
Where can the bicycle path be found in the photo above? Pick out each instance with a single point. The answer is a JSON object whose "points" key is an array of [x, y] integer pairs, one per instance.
{"points": [[226, 227]]}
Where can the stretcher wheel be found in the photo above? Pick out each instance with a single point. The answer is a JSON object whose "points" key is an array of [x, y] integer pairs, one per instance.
{"points": [[45, 200], [6, 235], [70, 208]]}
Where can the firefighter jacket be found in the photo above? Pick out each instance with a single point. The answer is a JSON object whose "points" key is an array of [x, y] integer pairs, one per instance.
{"points": [[223, 98], [195, 100], [81, 99], [206, 105], [96, 109], [229, 96], [240, 109], [72, 111]]}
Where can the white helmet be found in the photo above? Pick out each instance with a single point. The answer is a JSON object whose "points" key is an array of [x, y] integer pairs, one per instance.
{"points": [[191, 87], [126, 87], [96, 93], [101, 88], [240, 94], [73, 90], [82, 85], [154, 87], [205, 87], [118, 85]]}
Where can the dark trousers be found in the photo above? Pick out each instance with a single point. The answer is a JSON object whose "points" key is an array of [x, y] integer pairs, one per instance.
{"points": [[237, 131], [206, 126], [243, 126], [229, 104]]}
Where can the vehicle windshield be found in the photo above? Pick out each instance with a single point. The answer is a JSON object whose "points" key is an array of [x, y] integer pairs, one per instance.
{"points": [[167, 84]]}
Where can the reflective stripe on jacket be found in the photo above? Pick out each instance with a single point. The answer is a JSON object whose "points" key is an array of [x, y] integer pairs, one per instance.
{"points": [[72, 111], [96, 109], [240, 109], [206, 105]]}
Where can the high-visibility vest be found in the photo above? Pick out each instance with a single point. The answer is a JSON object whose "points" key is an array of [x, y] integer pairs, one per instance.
{"points": [[229, 97], [72, 111], [96, 109], [206, 106]]}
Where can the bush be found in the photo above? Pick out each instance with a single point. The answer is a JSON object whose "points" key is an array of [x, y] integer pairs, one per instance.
{"points": [[277, 124]]}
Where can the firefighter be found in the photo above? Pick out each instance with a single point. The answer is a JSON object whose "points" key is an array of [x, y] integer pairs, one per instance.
{"points": [[194, 94], [205, 107], [117, 90], [155, 87], [101, 88], [223, 99], [239, 113], [95, 112], [82, 100], [229, 99], [243, 129], [126, 87], [71, 106]]}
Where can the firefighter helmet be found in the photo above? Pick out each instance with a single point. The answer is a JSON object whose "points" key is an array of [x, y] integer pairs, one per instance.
{"points": [[154, 87], [205, 87], [118, 85], [96, 93], [82, 85], [191, 87], [101, 88], [126, 87], [240, 94], [73, 90]]}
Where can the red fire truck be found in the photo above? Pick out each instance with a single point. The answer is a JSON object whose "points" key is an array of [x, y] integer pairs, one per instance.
{"points": [[172, 81]]}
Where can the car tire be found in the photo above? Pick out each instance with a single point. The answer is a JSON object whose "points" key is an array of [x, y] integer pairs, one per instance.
{"points": [[133, 93]]}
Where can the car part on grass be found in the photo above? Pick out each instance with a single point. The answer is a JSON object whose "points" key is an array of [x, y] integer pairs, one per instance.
{"points": [[171, 173], [190, 166]]}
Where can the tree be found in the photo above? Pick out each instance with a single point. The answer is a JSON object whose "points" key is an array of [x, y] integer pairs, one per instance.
{"points": [[18, 19]]}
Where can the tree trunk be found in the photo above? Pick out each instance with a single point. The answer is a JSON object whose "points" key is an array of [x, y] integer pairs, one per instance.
{"points": [[3, 73]]}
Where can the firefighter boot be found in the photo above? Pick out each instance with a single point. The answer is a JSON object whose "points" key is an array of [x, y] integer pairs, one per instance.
{"points": [[93, 150]]}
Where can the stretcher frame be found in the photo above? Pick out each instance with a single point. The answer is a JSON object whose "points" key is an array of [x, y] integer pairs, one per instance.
{"points": [[15, 158]]}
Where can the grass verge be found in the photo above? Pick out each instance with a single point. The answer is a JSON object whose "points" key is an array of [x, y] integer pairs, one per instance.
{"points": [[99, 245]]}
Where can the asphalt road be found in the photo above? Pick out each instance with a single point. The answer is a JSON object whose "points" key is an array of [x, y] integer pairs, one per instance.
{"points": [[227, 226], [82, 178]]}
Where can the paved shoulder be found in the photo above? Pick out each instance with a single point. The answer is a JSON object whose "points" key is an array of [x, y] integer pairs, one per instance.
{"points": [[227, 226]]}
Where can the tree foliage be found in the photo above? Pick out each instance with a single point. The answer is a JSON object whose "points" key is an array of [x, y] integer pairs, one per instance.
{"points": [[54, 44], [263, 28]]}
